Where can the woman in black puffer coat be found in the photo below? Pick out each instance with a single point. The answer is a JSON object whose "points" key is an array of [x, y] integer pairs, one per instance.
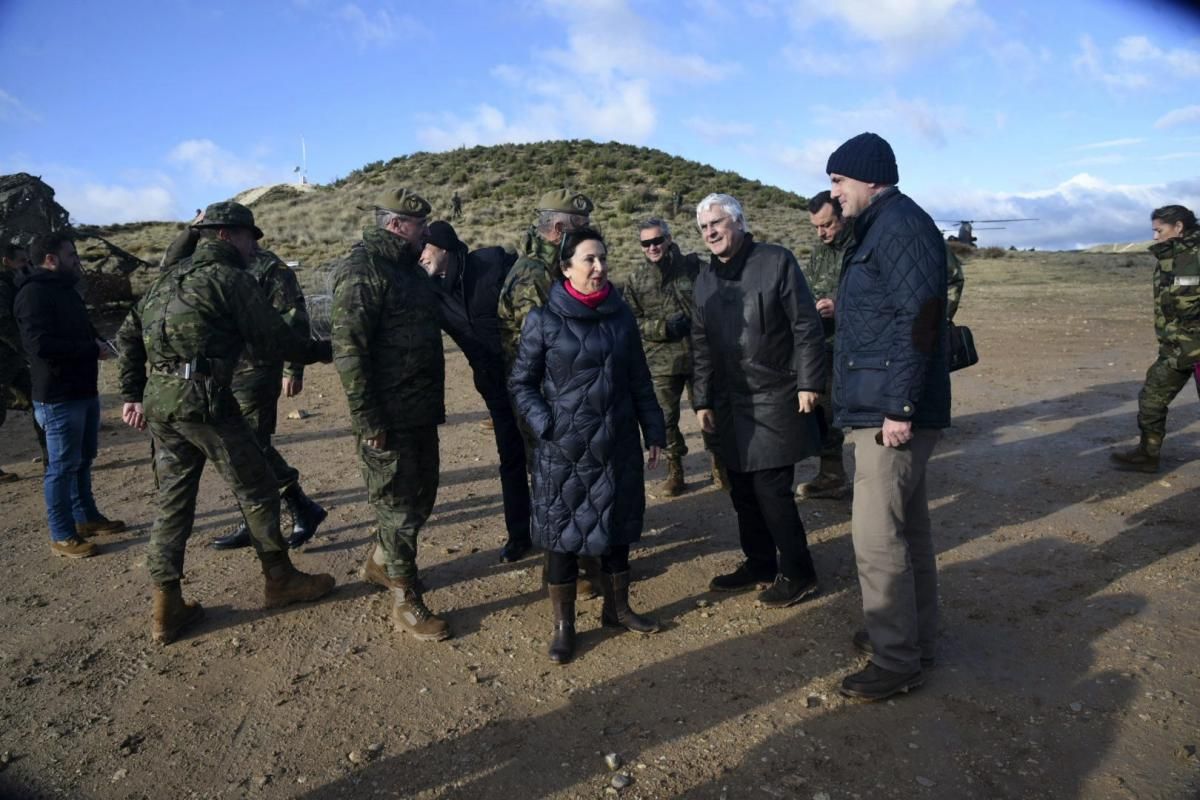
{"points": [[581, 383]]}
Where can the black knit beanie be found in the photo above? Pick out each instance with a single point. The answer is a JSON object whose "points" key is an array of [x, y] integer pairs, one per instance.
{"points": [[867, 158], [442, 234]]}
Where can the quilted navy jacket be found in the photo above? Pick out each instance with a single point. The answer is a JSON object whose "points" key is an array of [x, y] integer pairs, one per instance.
{"points": [[581, 383], [890, 351]]}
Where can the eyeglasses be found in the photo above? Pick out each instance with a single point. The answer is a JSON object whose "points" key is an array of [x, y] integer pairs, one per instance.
{"points": [[655, 242]]}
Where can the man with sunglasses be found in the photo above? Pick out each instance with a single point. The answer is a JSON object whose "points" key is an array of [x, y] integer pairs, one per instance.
{"points": [[387, 347], [660, 293]]}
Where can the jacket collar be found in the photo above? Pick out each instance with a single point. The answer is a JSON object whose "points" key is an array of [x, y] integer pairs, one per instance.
{"points": [[731, 270], [1174, 247], [538, 247], [215, 251], [566, 306], [863, 222]]}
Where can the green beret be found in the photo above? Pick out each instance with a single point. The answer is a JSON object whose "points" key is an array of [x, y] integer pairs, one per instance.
{"points": [[402, 201], [229, 214], [565, 202]]}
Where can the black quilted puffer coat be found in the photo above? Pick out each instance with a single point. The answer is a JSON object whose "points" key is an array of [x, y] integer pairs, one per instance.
{"points": [[581, 383], [890, 351]]}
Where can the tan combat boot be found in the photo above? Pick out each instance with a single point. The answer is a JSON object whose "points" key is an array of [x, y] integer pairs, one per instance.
{"points": [[409, 613], [673, 486], [589, 577], [1143, 458], [562, 603], [171, 613], [720, 477], [829, 484], [374, 572], [286, 585]]}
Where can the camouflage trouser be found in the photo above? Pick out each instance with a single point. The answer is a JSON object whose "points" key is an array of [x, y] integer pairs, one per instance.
{"points": [[180, 452], [667, 390], [260, 408], [831, 438], [402, 483], [1163, 382], [16, 394]]}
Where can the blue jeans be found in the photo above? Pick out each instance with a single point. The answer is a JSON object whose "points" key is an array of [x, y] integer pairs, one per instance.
{"points": [[72, 432]]}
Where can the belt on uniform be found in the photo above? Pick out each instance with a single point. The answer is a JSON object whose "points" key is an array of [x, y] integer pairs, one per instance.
{"points": [[195, 368]]}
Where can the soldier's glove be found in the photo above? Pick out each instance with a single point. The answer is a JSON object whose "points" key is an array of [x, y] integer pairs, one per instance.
{"points": [[678, 327]]}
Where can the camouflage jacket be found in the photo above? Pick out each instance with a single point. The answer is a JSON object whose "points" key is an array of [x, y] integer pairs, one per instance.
{"points": [[283, 292], [826, 262], [824, 268], [655, 294], [387, 337], [1177, 299], [201, 312], [527, 287], [12, 355]]}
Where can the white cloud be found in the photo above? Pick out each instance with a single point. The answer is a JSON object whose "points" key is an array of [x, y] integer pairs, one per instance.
{"points": [[1180, 62], [105, 204], [1111, 143], [1179, 116], [209, 164], [1133, 61], [376, 27], [931, 122], [13, 110], [599, 86], [718, 130], [1079, 212], [806, 162]]}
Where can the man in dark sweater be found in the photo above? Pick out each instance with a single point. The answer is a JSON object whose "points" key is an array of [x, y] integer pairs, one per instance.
{"points": [[63, 350]]}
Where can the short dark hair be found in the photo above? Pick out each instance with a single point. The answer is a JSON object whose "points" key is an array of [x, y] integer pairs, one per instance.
{"points": [[12, 250], [1173, 214], [573, 239], [49, 245], [819, 201]]}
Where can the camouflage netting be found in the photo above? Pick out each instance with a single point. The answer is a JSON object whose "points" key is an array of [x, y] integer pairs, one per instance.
{"points": [[28, 210]]}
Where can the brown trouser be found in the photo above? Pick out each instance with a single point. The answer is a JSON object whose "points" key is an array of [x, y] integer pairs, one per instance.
{"points": [[893, 545]]}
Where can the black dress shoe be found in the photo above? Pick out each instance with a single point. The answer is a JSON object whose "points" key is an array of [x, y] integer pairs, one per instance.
{"points": [[741, 579], [786, 592], [232, 541], [862, 643], [515, 550], [877, 683]]}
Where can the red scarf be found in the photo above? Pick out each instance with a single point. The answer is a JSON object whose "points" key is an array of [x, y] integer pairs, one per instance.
{"points": [[592, 300]]}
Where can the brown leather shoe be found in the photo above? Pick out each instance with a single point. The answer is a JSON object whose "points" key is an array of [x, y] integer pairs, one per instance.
{"points": [[409, 613], [172, 614], [284, 585], [673, 485], [73, 548], [720, 477], [99, 527], [376, 573]]}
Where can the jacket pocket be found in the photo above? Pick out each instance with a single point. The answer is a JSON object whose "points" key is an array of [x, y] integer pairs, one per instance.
{"points": [[864, 383]]}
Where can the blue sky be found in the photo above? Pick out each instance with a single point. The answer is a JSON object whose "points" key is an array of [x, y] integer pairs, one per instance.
{"points": [[1084, 114]]}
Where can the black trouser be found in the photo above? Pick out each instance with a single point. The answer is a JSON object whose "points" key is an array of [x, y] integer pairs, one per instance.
{"points": [[768, 521], [564, 567], [510, 445]]}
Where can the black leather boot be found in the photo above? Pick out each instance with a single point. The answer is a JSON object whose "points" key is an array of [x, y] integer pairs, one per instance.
{"points": [[240, 537], [562, 603], [307, 515], [616, 612]]}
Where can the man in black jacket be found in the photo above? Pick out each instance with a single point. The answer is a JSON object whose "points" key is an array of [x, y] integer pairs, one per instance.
{"points": [[891, 392], [759, 364], [63, 349], [469, 290]]}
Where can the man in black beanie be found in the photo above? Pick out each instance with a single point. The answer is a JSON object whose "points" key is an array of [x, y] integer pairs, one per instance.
{"points": [[891, 392], [469, 290]]}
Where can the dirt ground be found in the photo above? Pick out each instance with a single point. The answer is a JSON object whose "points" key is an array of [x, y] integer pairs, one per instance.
{"points": [[1069, 660]]}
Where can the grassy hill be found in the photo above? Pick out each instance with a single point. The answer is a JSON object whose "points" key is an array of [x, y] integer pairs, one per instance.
{"points": [[499, 187]]}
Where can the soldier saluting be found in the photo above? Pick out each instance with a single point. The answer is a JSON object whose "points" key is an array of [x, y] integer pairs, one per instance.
{"points": [[191, 327]]}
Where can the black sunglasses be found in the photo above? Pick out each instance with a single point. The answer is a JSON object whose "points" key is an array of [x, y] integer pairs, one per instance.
{"points": [[657, 240]]}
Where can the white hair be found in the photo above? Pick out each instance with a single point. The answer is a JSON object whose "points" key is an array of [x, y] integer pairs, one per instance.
{"points": [[728, 204]]}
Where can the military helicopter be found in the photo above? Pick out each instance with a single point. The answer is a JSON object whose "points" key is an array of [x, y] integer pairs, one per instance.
{"points": [[966, 227]]}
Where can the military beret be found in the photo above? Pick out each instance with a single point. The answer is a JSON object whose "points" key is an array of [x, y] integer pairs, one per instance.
{"points": [[565, 202], [402, 201], [229, 214]]}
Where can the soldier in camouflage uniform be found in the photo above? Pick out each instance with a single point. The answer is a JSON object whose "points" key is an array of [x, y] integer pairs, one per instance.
{"points": [[16, 385], [823, 273], [387, 346], [659, 291], [528, 287], [191, 327], [1177, 323], [257, 384]]}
